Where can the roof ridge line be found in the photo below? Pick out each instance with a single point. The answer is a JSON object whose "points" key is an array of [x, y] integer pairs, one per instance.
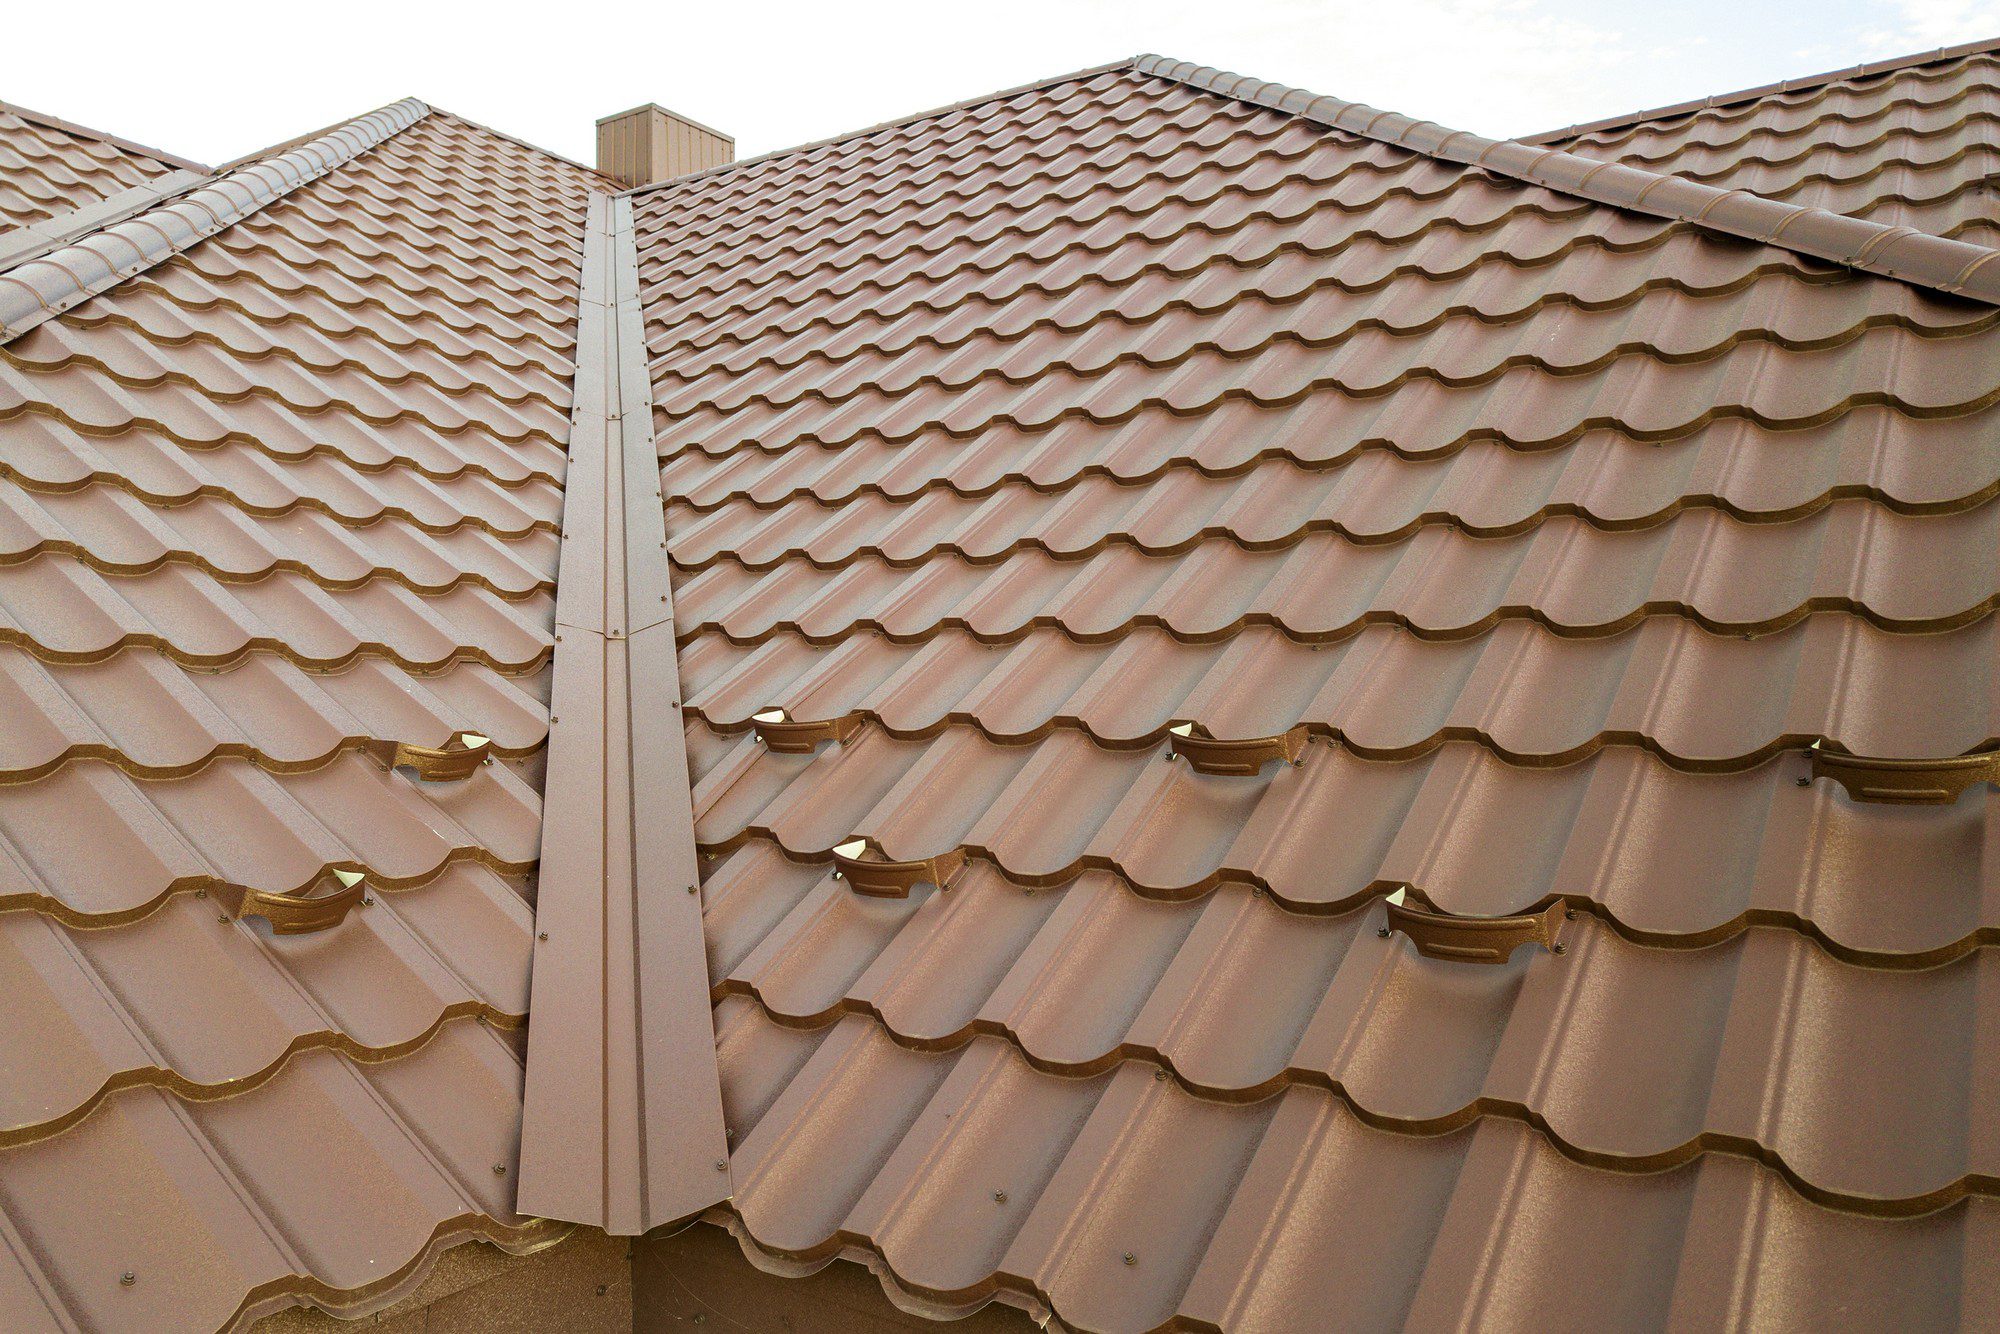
{"points": [[40, 289], [896, 123], [1717, 101], [48, 121], [1958, 268]]}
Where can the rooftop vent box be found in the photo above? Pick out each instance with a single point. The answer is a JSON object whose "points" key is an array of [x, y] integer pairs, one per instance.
{"points": [[650, 143]]}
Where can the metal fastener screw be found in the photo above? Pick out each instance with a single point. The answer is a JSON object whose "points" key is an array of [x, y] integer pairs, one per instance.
{"points": [[999, 1197], [1570, 914], [1131, 1259], [201, 893], [1383, 932], [722, 1164], [691, 889], [499, 1169], [541, 935], [128, 1278], [1803, 782], [1559, 948], [603, 1288], [1160, 1076], [223, 918]]}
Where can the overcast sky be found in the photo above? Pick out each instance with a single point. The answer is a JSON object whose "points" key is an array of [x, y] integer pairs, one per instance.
{"points": [[215, 81]]}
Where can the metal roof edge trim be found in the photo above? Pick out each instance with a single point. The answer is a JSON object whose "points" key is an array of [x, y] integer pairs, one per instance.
{"points": [[895, 124], [1957, 268], [159, 155], [40, 238], [1717, 101], [622, 1126], [47, 286]]}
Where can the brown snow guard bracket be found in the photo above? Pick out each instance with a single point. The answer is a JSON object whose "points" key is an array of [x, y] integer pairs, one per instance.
{"points": [[1923, 782], [880, 878], [297, 914], [1245, 758], [1439, 935], [459, 757], [787, 735]]}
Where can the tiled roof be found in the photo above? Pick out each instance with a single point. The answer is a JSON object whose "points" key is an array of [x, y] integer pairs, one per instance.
{"points": [[49, 167], [1544, 532], [269, 506], [1546, 535], [1912, 143]]}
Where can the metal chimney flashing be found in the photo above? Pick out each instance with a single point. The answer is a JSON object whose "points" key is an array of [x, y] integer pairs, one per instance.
{"points": [[41, 288], [623, 1125]]}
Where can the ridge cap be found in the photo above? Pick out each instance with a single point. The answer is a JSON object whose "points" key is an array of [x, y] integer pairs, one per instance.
{"points": [[71, 127], [1956, 268], [41, 288], [1717, 101]]}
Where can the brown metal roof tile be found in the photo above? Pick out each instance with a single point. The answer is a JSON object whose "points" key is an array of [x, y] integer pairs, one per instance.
{"points": [[1005, 442], [273, 506]]}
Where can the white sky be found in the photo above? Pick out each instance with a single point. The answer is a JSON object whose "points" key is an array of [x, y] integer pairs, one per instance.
{"points": [[214, 81]]}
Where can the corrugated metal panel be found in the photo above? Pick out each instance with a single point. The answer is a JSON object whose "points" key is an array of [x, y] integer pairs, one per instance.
{"points": [[1031, 436], [623, 1125], [1911, 143], [268, 504]]}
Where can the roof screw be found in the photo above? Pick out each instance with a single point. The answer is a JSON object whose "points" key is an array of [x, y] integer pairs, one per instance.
{"points": [[201, 893], [1569, 914], [541, 935], [999, 1197], [603, 1288], [367, 900], [223, 918], [128, 1278], [499, 1169], [1159, 1076], [1559, 948], [1803, 781], [1131, 1259], [691, 889], [1382, 931], [722, 1164]]}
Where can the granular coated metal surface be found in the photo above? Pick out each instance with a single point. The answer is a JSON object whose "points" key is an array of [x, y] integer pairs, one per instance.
{"points": [[49, 167], [1035, 433], [269, 505]]}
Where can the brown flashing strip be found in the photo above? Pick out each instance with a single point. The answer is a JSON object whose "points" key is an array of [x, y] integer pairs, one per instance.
{"points": [[40, 238], [43, 288], [1955, 267], [623, 1124], [1720, 100]]}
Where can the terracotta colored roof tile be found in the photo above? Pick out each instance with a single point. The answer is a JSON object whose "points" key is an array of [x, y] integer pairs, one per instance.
{"points": [[49, 167]]}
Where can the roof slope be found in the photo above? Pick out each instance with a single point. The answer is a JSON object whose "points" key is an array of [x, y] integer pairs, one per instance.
{"points": [[268, 508], [1543, 534], [1912, 142], [49, 167]]}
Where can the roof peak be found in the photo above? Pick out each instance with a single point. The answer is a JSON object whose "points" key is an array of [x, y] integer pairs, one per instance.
{"points": [[1717, 101], [1958, 268]]}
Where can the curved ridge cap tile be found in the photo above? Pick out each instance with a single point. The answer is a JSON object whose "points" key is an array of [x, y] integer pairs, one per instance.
{"points": [[46, 287], [1958, 268]]}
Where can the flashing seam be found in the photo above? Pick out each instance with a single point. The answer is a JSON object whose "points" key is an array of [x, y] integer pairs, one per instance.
{"points": [[623, 1126], [45, 287], [1958, 268]]}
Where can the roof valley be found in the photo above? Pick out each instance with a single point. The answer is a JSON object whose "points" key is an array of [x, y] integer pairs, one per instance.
{"points": [[624, 1131]]}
